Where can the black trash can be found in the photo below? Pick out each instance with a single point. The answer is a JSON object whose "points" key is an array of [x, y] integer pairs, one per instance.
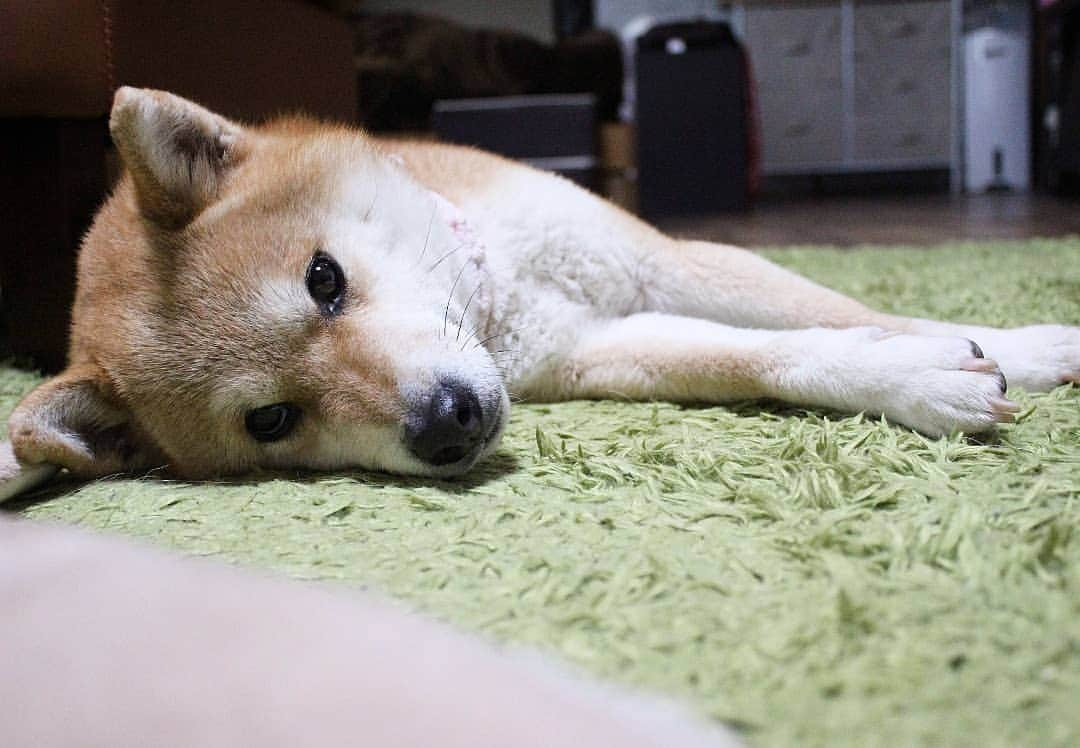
{"points": [[693, 120]]}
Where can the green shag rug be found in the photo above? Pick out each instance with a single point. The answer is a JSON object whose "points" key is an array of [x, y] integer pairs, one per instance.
{"points": [[812, 579]]}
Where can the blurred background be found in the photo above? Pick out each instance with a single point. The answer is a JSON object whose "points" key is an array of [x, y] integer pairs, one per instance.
{"points": [[760, 122]]}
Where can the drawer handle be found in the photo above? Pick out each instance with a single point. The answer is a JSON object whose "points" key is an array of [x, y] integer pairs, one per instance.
{"points": [[910, 139], [906, 86], [798, 49], [798, 130], [903, 30]]}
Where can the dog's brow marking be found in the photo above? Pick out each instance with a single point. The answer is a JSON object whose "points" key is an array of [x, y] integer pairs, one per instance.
{"points": [[277, 301]]}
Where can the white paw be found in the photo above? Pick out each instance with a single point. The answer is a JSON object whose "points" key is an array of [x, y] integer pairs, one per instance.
{"points": [[934, 385], [1036, 358]]}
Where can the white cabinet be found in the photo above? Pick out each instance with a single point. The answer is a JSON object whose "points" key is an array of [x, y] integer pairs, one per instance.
{"points": [[854, 85], [796, 56]]}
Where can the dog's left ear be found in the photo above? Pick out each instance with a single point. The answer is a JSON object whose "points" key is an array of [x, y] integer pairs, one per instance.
{"points": [[177, 152]]}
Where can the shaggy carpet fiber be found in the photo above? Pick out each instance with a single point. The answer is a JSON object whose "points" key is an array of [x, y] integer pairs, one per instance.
{"points": [[810, 578]]}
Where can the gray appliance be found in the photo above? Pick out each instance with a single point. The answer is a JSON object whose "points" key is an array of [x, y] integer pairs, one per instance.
{"points": [[997, 110]]}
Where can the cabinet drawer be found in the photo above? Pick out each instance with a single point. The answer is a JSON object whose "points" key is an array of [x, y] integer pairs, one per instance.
{"points": [[902, 57], [902, 32], [903, 97], [796, 59], [795, 45], [793, 133], [880, 141]]}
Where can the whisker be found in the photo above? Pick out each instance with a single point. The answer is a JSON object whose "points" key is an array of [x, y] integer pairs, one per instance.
{"points": [[489, 337], [502, 334], [502, 363], [374, 197], [466, 311], [470, 336], [450, 299], [439, 261], [427, 238]]}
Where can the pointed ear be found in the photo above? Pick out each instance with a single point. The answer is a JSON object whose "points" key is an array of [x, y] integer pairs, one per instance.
{"points": [[74, 421], [177, 152]]}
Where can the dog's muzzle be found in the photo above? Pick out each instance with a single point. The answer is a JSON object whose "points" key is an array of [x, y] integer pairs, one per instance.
{"points": [[452, 424]]}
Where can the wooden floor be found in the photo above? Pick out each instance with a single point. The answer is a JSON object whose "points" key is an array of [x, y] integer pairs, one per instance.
{"points": [[921, 220]]}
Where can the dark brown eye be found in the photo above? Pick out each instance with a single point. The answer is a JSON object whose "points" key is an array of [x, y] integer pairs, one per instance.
{"points": [[272, 422], [326, 283]]}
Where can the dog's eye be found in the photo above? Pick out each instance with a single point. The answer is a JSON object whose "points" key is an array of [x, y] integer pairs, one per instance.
{"points": [[326, 283], [272, 422]]}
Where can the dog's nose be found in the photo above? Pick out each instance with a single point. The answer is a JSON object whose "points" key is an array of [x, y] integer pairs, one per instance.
{"points": [[448, 425]]}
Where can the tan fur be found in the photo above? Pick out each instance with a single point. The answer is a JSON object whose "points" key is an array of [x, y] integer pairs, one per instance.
{"points": [[191, 308], [277, 177]]}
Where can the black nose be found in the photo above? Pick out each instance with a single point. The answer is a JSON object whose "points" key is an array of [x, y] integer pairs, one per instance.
{"points": [[447, 426]]}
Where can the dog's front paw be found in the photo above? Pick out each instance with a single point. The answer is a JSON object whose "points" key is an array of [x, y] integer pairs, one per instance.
{"points": [[940, 385], [1036, 358], [935, 385]]}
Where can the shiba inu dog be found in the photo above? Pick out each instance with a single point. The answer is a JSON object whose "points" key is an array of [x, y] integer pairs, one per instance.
{"points": [[303, 295]]}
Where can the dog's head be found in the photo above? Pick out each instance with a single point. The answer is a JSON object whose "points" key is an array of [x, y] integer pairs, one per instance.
{"points": [[285, 296]]}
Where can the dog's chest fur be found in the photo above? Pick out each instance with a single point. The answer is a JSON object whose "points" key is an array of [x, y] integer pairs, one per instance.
{"points": [[556, 262]]}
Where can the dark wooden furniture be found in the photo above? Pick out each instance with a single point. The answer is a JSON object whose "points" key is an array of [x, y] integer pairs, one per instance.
{"points": [[1056, 87], [61, 61]]}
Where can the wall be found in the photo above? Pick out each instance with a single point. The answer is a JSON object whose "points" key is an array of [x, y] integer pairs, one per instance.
{"points": [[532, 17], [614, 14]]}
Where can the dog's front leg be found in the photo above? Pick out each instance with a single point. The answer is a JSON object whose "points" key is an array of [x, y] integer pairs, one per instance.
{"points": [[736, 287], [933, 384], [1036, 358]]}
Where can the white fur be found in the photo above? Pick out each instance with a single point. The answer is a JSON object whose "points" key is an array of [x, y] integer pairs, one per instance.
{"points": [[16, 478], [1035, 358], [932, 384], [568, 284], [518, 281]]}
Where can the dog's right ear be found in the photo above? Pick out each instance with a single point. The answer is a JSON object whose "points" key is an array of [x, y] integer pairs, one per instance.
{"points": [[177, 152], [72, 421]]}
